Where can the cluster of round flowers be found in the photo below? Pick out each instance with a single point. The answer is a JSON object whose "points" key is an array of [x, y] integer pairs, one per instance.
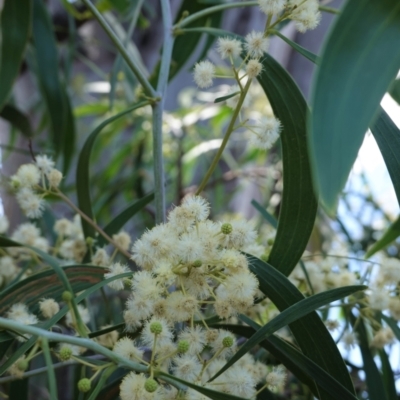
{"points": [[382, 295], [305, 13], [265, 131], [26, 182], [191, 268]]}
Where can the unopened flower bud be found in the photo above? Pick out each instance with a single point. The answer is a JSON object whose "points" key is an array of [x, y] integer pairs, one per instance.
{"points": [[67, 296], [226, 228], [227, 341], [54, 177], [84, 385], [183, 346], [150, 385], [65, 353], [197, 264], [22, 365], [156, 327]]}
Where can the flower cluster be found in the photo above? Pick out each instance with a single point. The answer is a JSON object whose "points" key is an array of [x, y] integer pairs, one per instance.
{"points": [[191, 267], [305, 13], [265, 131], [26, 183]]}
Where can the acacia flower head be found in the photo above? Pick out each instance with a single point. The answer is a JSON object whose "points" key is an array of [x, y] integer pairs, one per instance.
{"points": [[44, 163], [228, 47], [256, 44], [49, 307], [253, 68], [204, 73], [114, 270], [265, 133], [271, 7]]}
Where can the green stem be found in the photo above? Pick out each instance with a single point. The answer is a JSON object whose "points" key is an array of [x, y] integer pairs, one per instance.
{"points": [[225, 140], [329, 9], [8, 324], [91, 222], [149, 90], [50, 370], [158, 109], [211, 10]]}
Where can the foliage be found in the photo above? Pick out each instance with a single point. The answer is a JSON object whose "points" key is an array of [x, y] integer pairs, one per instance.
{"points": [[140, 299]]}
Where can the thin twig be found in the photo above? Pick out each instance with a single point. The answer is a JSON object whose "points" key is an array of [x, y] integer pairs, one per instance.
{"points": [[92, 223], [211, 10], [149, 90]]}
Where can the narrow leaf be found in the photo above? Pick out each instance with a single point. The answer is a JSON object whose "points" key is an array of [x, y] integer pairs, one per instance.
{"points": [[387, 136], [102, 381], [299, 205], [395, 90], [289, 315], [388, 375], [17, 119], [46, 57], [392, 233], [304, 52], [359, 61], [267, 216], [303, 366], [310, 332], [376, 389], [124, 216], [212, 394], [275, 346], [223, 98], [15, 28], [82, 171], [50, 370]]}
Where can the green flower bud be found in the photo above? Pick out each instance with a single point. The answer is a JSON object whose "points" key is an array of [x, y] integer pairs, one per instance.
{"points": [[197, 264], [150, 385], [227, 341], [84, 385], [67, 296], [156, 327], [265, 257], [65, 353], [183, 346], [22, 365], [270, 241], [226, 228]]}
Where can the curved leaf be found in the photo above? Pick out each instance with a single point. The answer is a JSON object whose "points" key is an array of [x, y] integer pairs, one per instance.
{"points": [[288, 316], [17, 118], [359, 61], [55, 265], [388, 375], [212, 394], [387, 136], [82, 171], [394, 90], [299, 205], [391, 234], [376, 388], [15, 28], [29, 292], [310, 332], [296, 362], [46, 57], [124, 216], [304, 52], [52, 321]]}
